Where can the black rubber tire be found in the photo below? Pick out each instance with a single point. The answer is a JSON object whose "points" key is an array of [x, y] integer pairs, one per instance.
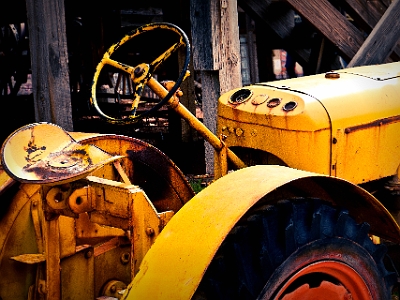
{"points": [[272, 241]]}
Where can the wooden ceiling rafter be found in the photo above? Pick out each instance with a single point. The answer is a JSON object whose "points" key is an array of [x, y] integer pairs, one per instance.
{"points": [[382, 40], [338, 28], [369, 13], [331, 24]]}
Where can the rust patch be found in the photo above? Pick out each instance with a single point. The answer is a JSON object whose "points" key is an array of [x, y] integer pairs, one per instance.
{"points": [[59, 164], [33, 151], [30, 258], [375, 123]]}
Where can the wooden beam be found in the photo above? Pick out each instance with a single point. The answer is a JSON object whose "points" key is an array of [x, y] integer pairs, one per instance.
{"points": [[49, 59], [216, 53], [370, 12], [331, 23], [381, 41], [205, 37]]}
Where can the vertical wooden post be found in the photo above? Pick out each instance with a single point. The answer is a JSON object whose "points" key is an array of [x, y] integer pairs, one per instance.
{"points": [[49, 59], [216, 53]]}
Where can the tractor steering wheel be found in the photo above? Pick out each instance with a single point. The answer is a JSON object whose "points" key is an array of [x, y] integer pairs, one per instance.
{"points": [[139, 75]]}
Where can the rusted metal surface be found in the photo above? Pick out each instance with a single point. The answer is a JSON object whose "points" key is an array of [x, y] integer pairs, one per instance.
{"points": [[45, 153], [376, 123], [147, 167], [30, 258], [59, 212], [332, 75], [350, 115], [60, 164]]}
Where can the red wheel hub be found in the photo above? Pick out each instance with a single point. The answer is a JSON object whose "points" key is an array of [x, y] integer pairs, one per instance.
{"points": [[351, 286]]}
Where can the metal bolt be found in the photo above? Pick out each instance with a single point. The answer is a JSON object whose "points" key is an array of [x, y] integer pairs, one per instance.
{"points": [[125, 258], [149, 231], [88, 254], [239, 131], [138, 71]]}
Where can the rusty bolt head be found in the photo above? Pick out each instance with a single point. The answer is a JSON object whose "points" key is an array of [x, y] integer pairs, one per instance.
{"points": [[88, 254], [239, 131], [125, 258], [150, 231]]}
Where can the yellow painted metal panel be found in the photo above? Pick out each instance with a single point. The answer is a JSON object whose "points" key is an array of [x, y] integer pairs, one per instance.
{"points": [[304, 150], [344, 125], [300, 137], [283, 108], [367, 154], [17, 237]]}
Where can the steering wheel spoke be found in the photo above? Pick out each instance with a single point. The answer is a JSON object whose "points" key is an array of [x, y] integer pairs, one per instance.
{"points": [[119, 65], [120, 58], [136, 100], [159, 60]]}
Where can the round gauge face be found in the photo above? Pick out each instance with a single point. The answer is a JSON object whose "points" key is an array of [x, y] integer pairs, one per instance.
{"points": [[240, 96]]}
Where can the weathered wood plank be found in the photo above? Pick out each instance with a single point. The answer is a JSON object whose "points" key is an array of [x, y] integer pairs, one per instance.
{"points": [[220, 68], [205, 35], [210, 94], [381, 41], [49, 59], [230, 71], [331, 23], [369, 12]]}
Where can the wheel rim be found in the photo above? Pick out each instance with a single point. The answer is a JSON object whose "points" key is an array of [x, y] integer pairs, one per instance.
{"points": [[351, 285], [299, 249]]}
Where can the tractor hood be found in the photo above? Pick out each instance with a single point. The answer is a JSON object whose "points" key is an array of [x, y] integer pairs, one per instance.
{"points": [[353, 97], [322, 122], [341, 99]]}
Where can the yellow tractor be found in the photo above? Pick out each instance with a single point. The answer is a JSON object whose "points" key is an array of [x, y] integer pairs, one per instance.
{"points": [[303, 205]]}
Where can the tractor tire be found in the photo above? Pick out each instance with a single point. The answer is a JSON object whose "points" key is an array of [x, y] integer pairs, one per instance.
{"points": [[298, 249]]}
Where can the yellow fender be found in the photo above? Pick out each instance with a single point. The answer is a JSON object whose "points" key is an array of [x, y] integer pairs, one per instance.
{"points": [[176, 263]]}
